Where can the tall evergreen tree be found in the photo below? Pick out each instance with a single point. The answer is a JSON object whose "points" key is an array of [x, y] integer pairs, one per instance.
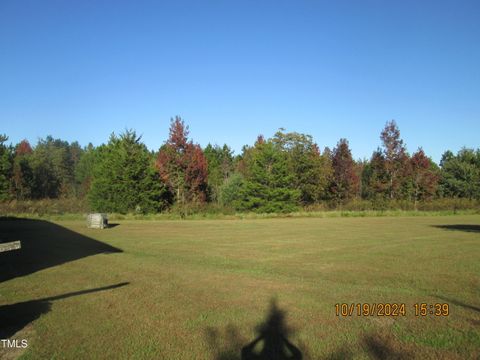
{"points": [[375, 180], [124, 177], [220, 166], [269, 184], [84, 170], [310, 169], [233, 192]]}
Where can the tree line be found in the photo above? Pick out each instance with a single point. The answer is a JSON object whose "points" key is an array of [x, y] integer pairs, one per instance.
{"points": [[278, 174]]}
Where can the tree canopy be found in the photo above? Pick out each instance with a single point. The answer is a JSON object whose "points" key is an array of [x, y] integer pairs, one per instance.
{"points": [[124, 177], [279, 174]]}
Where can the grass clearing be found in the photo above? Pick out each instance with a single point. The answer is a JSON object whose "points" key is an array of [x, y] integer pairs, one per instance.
{"points": [[199, 289]]}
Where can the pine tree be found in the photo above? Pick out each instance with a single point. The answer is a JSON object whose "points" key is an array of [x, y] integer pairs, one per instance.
{"points": [[220, 166], [375, 177], [124, 178], [84, 170], [233, 193], [310, 169], [269, 184]]}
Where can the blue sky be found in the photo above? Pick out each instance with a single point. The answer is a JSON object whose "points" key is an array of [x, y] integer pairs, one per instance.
{"points": [[79, 70]]}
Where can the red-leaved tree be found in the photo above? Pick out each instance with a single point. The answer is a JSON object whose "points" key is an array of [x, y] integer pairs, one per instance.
{"points": [[23, 148], [182, 165], [345, 179], [424, 177]]}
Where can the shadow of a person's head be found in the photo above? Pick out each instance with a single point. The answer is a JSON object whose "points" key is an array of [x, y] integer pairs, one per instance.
{"points": [[272, 342]]}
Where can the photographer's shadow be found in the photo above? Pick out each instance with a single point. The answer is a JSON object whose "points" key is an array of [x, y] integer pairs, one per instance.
{"points": [[272, 341]]}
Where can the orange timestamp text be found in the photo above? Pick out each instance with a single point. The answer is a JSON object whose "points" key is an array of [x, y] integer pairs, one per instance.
{"points": [[391, 309]]}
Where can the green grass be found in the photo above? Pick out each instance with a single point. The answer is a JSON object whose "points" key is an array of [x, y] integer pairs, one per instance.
{"points": [[199, 289]]}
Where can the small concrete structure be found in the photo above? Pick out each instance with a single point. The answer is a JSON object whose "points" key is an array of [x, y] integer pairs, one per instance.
{"points": [[97, 221]]}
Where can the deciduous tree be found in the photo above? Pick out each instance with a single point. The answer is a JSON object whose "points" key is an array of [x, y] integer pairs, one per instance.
{"points": [[395, 156], [460, 174], [423, 175], [182, 165], [5, 167], [345, 180], [22, 177]]}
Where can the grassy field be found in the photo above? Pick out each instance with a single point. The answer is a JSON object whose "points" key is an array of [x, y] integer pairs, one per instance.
{"points": [[204, 289]]}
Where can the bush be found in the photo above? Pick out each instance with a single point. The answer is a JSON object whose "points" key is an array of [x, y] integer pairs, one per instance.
{"points": [[449, 204], [382, 204], [356, 207], [45, 207]]}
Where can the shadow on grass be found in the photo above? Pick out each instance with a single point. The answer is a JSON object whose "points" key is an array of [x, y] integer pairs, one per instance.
{"points": [[271, 343], [381, 348], [272, 340], [461, 304], [225, 345], [458, 303], [44, 244], [15, 317], [112, 225], [341, 354], [459, 227], [377, 346]]}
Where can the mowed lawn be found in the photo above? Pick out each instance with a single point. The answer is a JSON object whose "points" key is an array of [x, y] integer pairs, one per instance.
{"points": [[199, 289]]}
